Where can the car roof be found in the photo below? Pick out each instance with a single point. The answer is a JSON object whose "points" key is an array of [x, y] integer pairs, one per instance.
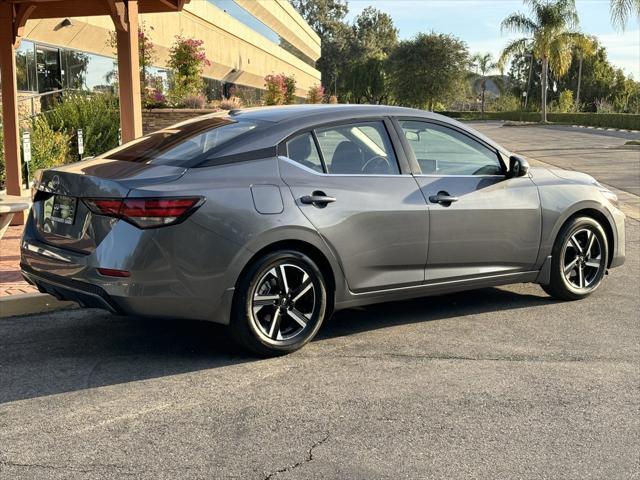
{"points": [[331, 112]]}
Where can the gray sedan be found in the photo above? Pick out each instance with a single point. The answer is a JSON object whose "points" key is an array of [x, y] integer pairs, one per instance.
{"points": [[268, 220]]}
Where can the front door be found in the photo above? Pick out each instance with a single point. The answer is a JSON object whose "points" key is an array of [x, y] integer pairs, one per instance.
{"points": [[481, 222], [346, 180]]}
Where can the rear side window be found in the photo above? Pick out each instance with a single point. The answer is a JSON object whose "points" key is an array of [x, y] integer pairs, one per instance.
{"points": [[185, 142], [302, 149]]}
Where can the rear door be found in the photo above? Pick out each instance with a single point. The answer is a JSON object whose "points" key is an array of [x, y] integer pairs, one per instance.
{"points": [[481, 222], [347, 181]]}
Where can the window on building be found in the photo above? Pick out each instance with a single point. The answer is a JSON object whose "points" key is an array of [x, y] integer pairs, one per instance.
{"points": [[247, 18]]}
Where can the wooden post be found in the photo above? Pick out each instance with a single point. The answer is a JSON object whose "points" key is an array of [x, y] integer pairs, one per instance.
{"points": [[129, 70], [10, 106]]}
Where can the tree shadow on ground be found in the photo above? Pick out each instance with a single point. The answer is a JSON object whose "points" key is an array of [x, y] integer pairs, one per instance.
{"points": [[82, 349]]}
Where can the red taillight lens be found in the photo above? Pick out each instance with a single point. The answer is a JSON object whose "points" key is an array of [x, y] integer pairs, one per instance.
{"points": [[145, 212], [104, 206]]}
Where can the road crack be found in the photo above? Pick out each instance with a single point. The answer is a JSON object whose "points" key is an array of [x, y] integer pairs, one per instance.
{"points": [[309, 458]]}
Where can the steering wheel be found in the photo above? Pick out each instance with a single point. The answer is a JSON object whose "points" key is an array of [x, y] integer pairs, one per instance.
{"points": [[381, 161]]}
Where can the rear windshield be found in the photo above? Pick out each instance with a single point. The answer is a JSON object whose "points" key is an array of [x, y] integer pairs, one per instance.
{"points": [[186, 142]]}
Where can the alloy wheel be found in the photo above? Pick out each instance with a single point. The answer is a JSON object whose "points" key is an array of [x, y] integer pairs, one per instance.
{"points": [[582, 259], [284, 302]]}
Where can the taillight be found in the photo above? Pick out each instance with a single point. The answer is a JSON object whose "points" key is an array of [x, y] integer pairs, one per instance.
{"points": [[145, 212]]}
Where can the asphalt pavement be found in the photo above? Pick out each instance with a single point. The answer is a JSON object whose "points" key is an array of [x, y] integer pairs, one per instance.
{"points": [[493, 383]]}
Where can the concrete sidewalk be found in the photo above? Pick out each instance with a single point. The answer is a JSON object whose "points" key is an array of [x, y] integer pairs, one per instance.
{"points": [[11, 281]]}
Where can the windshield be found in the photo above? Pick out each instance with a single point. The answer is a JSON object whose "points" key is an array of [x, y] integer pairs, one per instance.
{"points": [[184, 142]]}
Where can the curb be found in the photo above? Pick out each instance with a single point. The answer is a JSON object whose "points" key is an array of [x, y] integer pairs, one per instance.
{"points": [[31, 303]]}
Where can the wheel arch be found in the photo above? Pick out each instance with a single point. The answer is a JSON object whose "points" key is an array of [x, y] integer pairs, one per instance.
{"points": [[599, 216], [312, 245]]}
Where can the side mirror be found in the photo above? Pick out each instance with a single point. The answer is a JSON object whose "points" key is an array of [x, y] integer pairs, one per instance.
{"points": [[518, 166]]}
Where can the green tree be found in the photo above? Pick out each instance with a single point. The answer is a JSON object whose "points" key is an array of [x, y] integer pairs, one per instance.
{"points": [[622, 11], [367, 81], [373, 37], [599, 81], [551, 36], [583, 49], [484, 63], [427, 69], [326, 18]]}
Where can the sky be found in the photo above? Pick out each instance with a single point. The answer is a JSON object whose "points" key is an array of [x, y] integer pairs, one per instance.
{"points": [[477, 22]]}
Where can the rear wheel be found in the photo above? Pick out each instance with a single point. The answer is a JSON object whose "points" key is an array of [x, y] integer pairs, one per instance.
{"points": [[280, 303], [579, 260]]}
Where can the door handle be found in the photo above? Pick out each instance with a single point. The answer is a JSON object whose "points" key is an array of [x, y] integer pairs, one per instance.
{"points": [[443, 198], [317, 199]]}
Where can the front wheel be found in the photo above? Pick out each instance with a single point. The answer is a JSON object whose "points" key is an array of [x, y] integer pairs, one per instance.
{"points": [[280, 303], [579, 260]]}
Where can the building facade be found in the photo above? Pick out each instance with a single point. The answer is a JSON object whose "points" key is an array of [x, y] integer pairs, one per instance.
{"points": [[244, 40]]}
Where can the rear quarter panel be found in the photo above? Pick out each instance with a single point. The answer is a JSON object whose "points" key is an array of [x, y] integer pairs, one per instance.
{"points": [[208, 253]]}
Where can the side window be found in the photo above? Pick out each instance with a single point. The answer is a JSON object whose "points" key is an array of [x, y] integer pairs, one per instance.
{"points": [[444, 151], [358, 149], [302, 149]]}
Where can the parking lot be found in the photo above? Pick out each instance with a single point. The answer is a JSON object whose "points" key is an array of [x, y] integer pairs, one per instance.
{"points": [[493, 383]]}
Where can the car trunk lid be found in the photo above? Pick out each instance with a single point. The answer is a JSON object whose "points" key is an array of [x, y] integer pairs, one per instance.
{"points": [[64, 220]]}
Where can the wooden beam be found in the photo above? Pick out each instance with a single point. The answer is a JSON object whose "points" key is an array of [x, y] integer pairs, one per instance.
{"points": [[129, 75], [11, 137], [22, 13], [118, 12]]}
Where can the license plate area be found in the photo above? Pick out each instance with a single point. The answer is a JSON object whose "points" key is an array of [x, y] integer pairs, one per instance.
{"points": [[61, 210]]}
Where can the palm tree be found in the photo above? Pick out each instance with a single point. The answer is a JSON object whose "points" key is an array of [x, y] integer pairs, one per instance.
{"points": [[551, 35], [484, 64], [583, 49], [622, 11]]}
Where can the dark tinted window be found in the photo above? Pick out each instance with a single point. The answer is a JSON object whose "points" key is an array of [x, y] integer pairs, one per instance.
{"points": [[358, 149], [303, 150], [444, 151], [184, 142]]}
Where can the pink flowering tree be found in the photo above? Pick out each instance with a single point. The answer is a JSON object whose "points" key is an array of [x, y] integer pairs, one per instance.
{"points": [[280, 89], [187, 59], [315, 94], [150, 87]]}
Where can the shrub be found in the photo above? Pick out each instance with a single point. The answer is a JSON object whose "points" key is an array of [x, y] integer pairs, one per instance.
{"points": [[49, 148], [290, 90], [504, 103], [97, 115], [230, 103], [276, 89], [565, 102], [194, 101], [333, 99], [187, 59], [627, 121], [315, 94], [281, 89]]}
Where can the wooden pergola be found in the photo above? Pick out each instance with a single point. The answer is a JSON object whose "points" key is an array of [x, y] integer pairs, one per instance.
{"points": [[124, 13]]}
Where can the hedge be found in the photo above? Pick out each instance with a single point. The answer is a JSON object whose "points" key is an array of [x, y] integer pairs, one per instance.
{"points": [[625, 121]]}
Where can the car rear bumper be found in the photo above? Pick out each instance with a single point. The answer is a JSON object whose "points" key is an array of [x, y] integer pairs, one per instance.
{"points": [[162, 283], [84, 294]]}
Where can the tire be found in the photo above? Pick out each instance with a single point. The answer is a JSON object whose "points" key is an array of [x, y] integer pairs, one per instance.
{"points": [[279, 305], [579, 260]]}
